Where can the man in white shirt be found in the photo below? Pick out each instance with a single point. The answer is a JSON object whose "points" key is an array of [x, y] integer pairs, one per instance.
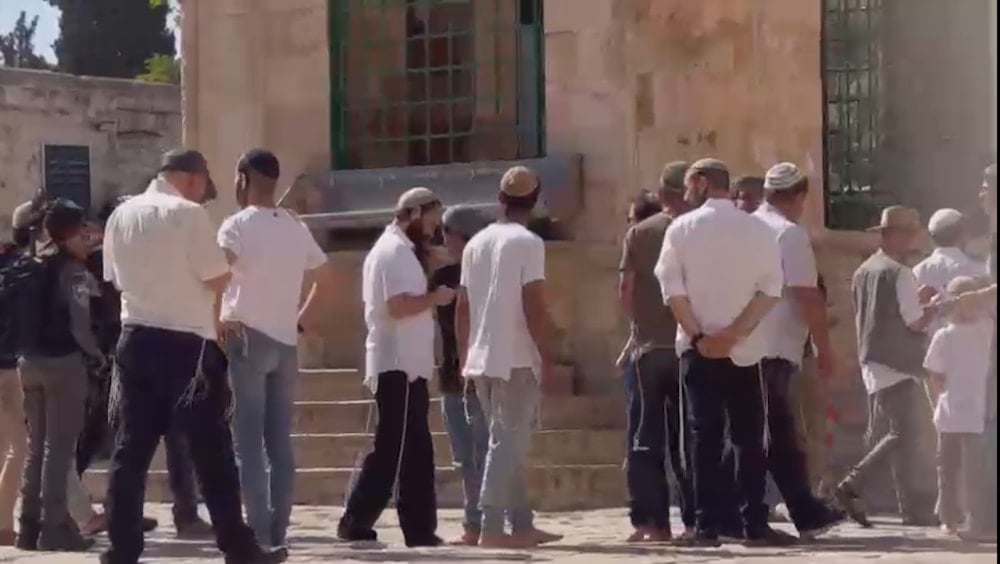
{"points": [[720, 273], [890, 327], [948, 260], [270, 253], [801, 312], [160, 252], [504, 339], [399, 358]]}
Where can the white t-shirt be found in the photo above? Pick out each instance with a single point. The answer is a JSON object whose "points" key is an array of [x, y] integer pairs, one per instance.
{"points": [[940, 268], [391, 269], [496, 264], [159, 250], [786, 326], [273, 251], [961, 352], [719, 258]]}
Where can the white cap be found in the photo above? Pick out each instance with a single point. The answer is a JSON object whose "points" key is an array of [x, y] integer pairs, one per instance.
{"points": [[942, 219], [782, 176]]}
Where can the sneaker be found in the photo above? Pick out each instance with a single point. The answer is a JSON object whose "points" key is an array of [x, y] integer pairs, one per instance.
{"points": [[848, 499], [768, 537], [63, 538], [831, 518], [194, 529], [260, 556]]}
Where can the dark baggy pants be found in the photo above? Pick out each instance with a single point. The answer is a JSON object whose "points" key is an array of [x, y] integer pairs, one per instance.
{"points": [[403, 456], [717, 389], [893, 422], [785, 460], [155, 372], [653, 427]]}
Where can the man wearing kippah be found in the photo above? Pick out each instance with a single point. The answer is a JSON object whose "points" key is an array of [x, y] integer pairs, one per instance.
{"points": [[948, 260], [399, 359], [799, 315], [170, 368], [720, 272], [504, 338]]}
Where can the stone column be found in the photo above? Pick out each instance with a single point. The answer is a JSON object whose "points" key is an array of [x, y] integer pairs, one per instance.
{"points": [[189, 72]]}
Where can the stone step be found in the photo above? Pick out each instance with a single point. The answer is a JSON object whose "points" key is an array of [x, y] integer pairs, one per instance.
{"points": [[550, 488], [548, 448], [556, 413]]}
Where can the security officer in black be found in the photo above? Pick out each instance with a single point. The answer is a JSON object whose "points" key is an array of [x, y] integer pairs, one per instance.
{"points": [[52, 369]]}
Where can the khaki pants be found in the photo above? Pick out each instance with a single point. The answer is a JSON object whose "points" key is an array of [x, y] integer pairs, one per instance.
{"points": [[12, 445], [960, 458], [806, 398]]}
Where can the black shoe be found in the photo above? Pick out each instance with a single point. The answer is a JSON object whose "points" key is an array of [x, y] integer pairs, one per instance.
{"points": [[349, 534], [831, 518], [194, 529], [27, 536], [768, 537], [63, 538], [261, 556], [700, 539], [430, 541], [149, 524], [848, 499]]}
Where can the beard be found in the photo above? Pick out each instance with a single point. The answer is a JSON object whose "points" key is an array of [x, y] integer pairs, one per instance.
{"points": [[421, 242]]}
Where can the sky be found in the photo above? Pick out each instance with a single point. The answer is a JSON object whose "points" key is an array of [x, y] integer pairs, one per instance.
{"points": [[48, 22]]}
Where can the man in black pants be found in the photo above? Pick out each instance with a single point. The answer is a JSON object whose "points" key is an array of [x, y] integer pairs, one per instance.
{"points": [[398, 361], [170, 369], [720, 273]]}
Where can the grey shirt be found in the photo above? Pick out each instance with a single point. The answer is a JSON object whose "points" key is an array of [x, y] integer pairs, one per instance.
{"points": [[76, 288]]}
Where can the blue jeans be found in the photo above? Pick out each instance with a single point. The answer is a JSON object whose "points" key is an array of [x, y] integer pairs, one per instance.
{"points": [[469, 437], [511, 408], [263, 371]]}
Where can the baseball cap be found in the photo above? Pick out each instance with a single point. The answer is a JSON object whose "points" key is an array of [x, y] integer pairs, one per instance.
{"points": [[465, 220], [519, 182], [672, 176], [783, 176], [415, 198], [261, 161]]}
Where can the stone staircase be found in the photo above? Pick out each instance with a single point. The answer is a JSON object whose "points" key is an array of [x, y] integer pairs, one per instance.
{"points": [[575, 460]]}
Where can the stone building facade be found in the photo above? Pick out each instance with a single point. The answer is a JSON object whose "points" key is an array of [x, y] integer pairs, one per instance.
{"points": [[628, 85], [120, 126]]}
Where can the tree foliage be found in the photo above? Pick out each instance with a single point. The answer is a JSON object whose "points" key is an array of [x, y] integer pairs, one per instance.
{"points": [[17, 48], [112, 38], [162, 68]]}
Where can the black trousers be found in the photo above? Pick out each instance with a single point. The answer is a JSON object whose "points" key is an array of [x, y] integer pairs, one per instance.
{"points": [[716, 390], [785, 460], [155, 371], [403, 456], [654, 426]]}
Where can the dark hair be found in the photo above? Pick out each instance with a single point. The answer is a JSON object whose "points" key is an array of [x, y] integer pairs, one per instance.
{"points": [[717, 179], [63, 219], [261, 161], [749, 182], [645, 204], [520, 203]]}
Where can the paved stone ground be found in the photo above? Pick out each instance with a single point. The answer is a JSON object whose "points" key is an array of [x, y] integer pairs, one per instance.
{"points": [[591, 537]]}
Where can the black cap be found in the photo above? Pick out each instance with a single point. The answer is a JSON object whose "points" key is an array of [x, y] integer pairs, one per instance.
{"points": [[184, 160], [261, 161], [63, 219]]}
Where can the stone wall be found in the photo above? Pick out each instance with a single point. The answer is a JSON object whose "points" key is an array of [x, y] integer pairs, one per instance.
{"points": [[127, 125]]}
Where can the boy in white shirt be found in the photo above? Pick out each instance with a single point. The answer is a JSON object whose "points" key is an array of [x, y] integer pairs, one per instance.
{"points": [[958, 361]]}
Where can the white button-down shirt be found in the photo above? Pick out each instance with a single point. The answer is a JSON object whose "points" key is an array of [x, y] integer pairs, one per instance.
{"points": [[720, 258], [940, 268], [159, 250], [391, 269], [786, 326], [879, 376]]}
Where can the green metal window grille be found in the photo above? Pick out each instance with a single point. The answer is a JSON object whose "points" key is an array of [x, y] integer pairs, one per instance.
{"points": [[420, 82], [852, 87]]}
